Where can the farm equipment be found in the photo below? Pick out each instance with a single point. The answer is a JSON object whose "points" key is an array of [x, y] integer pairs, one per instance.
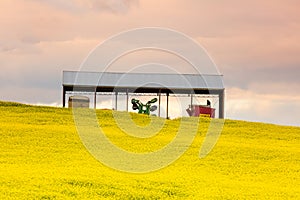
{"points": [[144, 108], [203, 110]]}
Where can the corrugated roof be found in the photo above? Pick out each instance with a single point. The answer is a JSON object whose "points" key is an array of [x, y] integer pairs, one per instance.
{"points": [[146, 80]]}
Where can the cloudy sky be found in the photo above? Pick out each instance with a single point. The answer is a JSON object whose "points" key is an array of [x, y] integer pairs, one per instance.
{"points": [[255, 44]]}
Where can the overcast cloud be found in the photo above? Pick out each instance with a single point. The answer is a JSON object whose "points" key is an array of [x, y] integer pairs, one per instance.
{"points": [[254, 43]]}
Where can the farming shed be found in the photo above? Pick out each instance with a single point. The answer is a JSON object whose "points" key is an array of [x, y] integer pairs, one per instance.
{"points": [[161, 84]]}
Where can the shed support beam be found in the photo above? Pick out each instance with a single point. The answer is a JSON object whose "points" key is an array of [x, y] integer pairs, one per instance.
{"points": [[159, 100], [95, 99], [64, 97], [116, 101], [191, 99], [221, 104], [167, 105], [127, 98]]}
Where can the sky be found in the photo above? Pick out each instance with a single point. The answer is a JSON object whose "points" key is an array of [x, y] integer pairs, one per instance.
{"points": [[255, 44]]}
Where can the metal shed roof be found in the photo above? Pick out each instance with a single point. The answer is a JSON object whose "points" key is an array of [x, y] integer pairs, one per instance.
{"points": [[142, 80]]}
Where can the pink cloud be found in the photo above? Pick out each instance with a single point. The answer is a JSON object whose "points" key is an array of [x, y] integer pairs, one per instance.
{"points": [[81, 6]]}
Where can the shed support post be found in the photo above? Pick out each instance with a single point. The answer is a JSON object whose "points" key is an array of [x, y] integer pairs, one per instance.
{"points": [[127, 98], [116, 101], [167, 105], [221, 103], [159, 100], [191, 100], [95, 99], [64, 97]]}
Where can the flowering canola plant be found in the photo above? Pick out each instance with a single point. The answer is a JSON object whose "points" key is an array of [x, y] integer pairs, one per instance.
{"points": [[42, 157]]}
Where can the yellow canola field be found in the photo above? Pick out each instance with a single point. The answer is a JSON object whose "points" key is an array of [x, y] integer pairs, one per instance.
{"points": [[42, 157]]}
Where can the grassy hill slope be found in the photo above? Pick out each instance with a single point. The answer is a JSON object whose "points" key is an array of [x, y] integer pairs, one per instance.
{"points": [[42, 157]]}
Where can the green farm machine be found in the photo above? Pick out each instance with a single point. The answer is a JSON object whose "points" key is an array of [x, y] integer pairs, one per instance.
{"points": [[144, 108]]}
